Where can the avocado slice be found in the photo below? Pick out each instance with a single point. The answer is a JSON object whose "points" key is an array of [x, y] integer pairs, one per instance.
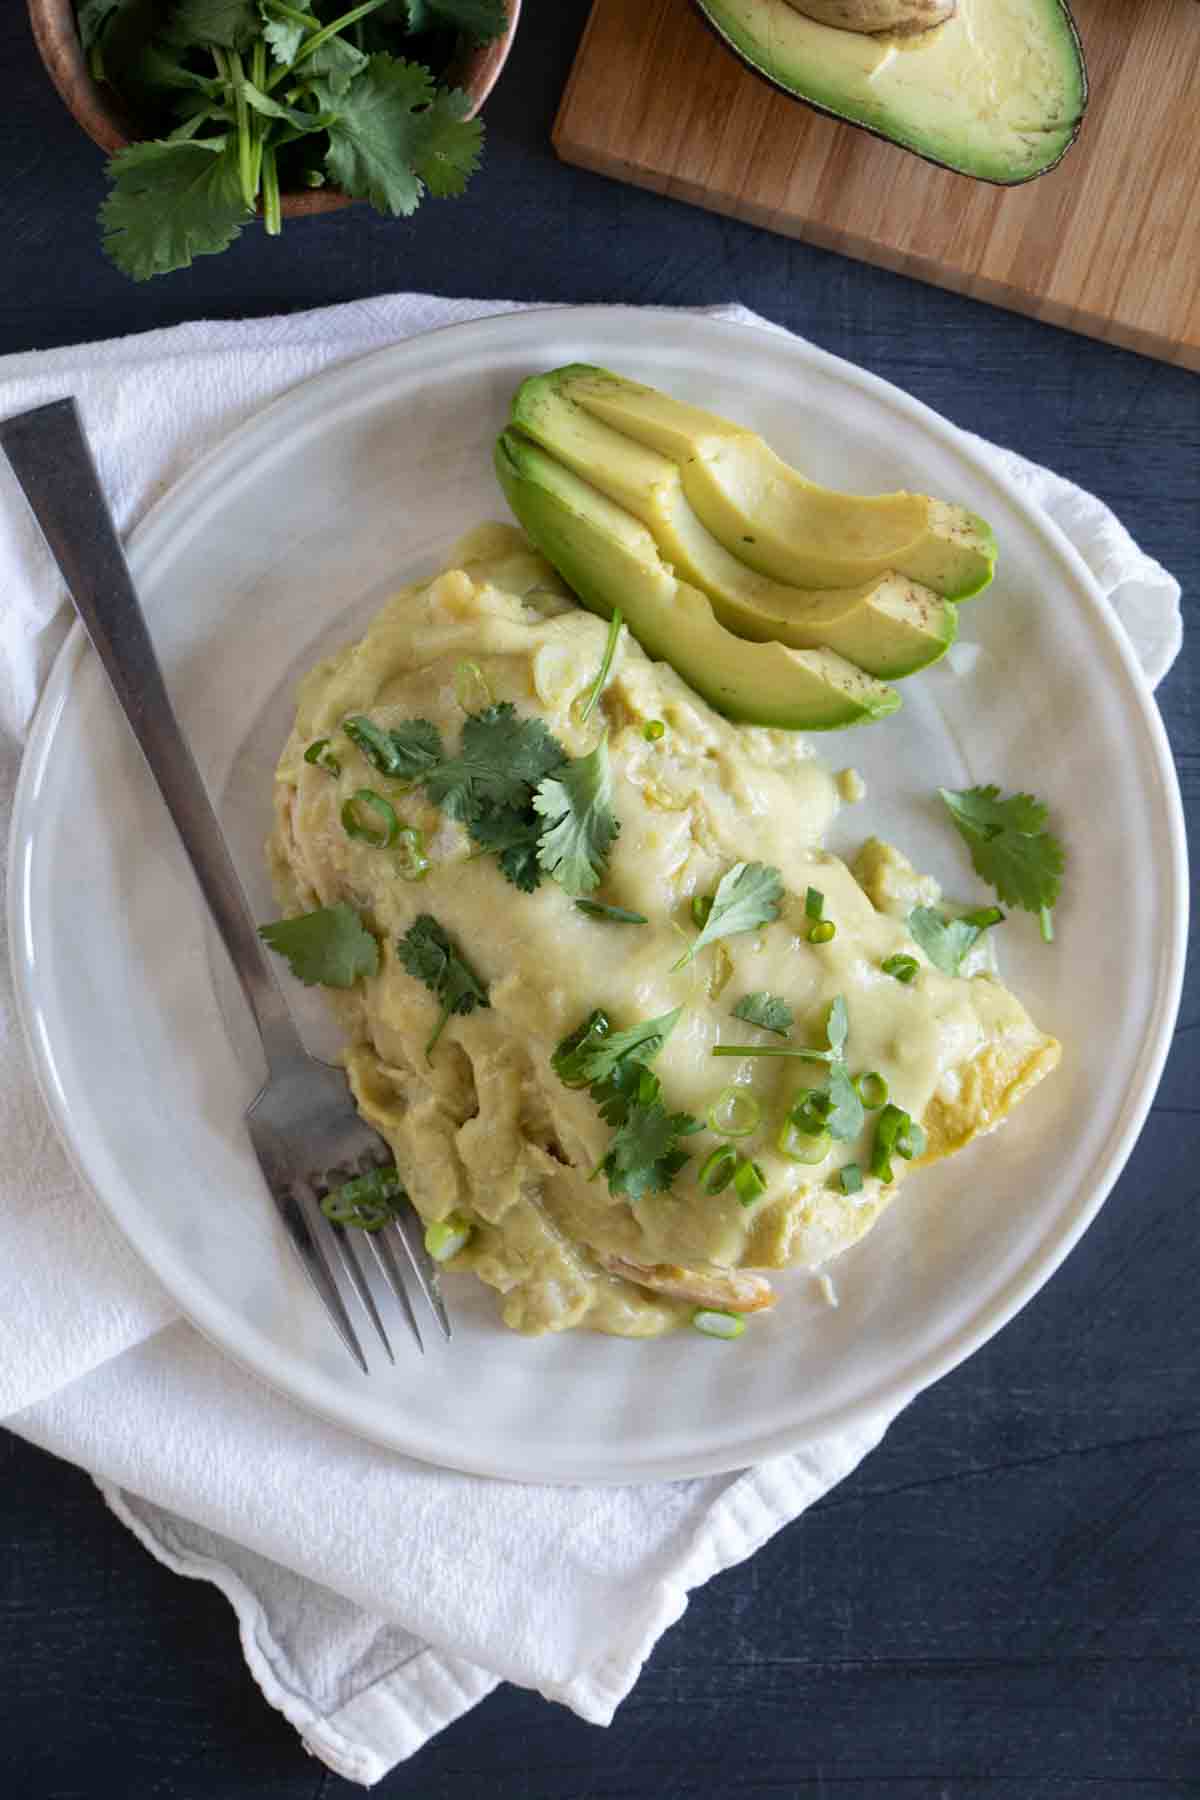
{"points": [[998, 91], [611, 561], [768, 515], [888, 625]]}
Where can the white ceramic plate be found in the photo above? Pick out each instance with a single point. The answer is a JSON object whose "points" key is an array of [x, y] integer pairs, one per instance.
{"points": [[285, 541]]}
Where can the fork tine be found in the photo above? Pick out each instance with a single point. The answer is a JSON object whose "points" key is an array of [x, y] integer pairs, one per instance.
{"points": [[316, 1267], [385, 1256], [408, 1228], [358, 1281]]}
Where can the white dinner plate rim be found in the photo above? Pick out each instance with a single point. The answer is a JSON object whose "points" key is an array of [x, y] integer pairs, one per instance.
{"points": [[225, 1326]]}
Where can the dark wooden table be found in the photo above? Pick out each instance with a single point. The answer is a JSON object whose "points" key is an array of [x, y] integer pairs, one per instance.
{"points": [[1003, 1601]]}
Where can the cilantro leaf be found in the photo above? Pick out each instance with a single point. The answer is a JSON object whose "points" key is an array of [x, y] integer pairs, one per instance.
{"points": [[946, 941], [284, 35], [767, 1011], [449, 146], [837, 1025], [1010, 848], [580, 828], [513, 835], [846, 1115], [170, 203], [644, 1157], [501, 757], [747, 896], [230, 24], [482, 20], [378, 132], [640, 1043], [429, 955], [92, 17], [335, 63], [331, 946]]}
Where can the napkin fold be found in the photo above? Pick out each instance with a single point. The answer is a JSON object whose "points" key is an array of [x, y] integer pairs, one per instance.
{"points": [[377, 1598]]}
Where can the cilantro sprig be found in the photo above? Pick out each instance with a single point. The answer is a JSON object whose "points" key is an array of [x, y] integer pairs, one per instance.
{"points": [[747, 896], [947, 941], [767, 1011], [1010, 847], [431, 956], [253, 96], [644, 1154], [513, 786]]}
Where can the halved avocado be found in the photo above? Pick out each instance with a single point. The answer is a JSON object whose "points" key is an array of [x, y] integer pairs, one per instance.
{"points": [[612, 561], [888, 625], [998, 91], [768, 515]]}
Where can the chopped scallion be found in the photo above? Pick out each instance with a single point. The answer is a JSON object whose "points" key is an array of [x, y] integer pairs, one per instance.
{"points": [[904, 968], [369, 1201], [446, 1237], [814, 903], [366, 799], [702, 905], [411, 860], [803, 1146], [653, 730], [749, 1182], [871, 1089], [718, 1169], [718, 1324], [734, 1113], [823, 932], [619, 915], [320, 754]]}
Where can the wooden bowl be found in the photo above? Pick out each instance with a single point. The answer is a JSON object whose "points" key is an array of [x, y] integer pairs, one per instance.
{"points": [[103, 116]]}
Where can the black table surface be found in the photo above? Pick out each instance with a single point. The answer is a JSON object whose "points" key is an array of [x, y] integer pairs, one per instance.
{"points": [[1003, 1600]]}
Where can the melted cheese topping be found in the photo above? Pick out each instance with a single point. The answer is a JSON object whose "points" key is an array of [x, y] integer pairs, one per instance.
{"points": [[486, 1129]]}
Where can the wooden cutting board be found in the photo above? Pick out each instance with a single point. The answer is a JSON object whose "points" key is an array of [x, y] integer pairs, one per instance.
{"points": [[1108, 243]]}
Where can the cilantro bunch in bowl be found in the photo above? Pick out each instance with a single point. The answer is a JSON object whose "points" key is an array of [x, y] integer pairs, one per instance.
{"points": [[250, 99]]}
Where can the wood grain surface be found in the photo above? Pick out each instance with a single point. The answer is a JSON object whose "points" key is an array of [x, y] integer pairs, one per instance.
{"points": [[1108, 243]]}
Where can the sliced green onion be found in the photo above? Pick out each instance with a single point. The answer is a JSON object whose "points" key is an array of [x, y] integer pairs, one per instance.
{"points": [[446, 1237], [718, 1169], [892, 1121], [850, 1176], [801, 1146], [320, 753], [897, 1131], [718, 1324], [606, 663], [572, 1053], [369, 1201], [370, 801], [619, 915], [471, 690], [411, 860], [983, 918], [881, 1167], [375, 744], [1046, 922], [904, 968], [871, 1089], [702, 905], [734, 1113], [814, 903], [654, 729], [823, 932], [749, 1182]]}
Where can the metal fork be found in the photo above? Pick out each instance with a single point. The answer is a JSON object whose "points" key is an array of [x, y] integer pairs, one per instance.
{"points": [[306, 1133]]}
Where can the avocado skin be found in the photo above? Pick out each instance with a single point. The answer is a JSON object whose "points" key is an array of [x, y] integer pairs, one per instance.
{"points": [[572, 524], [889, 626], [713, 14]]}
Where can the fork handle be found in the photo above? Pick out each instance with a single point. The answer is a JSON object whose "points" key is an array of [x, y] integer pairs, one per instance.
{"points": [[53, 463]]}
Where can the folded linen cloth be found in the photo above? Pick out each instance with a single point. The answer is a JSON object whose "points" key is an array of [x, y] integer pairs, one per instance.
{"points": [[368, 1654]]}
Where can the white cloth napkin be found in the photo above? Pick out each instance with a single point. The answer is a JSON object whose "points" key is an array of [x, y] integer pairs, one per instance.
{"points": [[360, 1618]]}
